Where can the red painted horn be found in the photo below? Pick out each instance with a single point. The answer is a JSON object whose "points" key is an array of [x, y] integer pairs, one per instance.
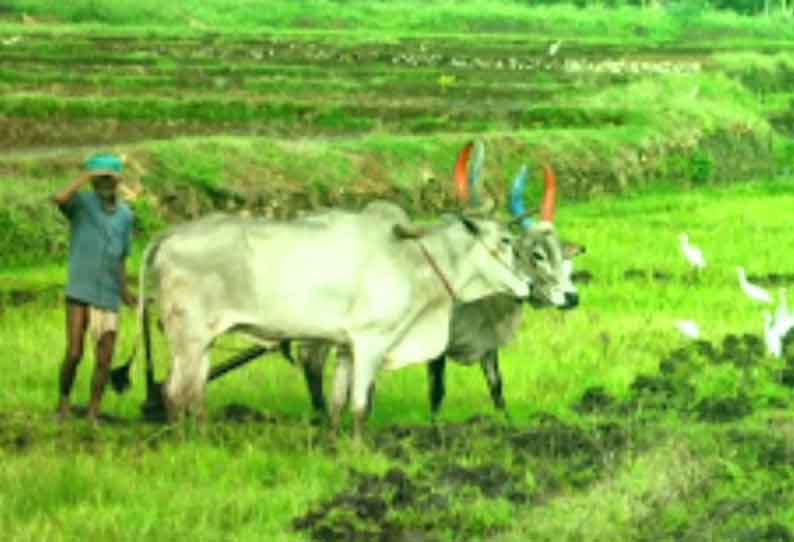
{"points": [[462, 174], [547, 207]]}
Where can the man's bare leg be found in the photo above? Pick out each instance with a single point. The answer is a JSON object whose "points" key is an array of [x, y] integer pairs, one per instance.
{"points": [[104, 358], [76, 323]]}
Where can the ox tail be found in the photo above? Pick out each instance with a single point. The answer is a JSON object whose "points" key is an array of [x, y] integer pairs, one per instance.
{"points": [[154, 398], [120, 376], [286, 350]]}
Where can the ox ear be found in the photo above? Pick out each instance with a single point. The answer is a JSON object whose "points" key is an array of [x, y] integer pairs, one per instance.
{"points": [[572, 250], [403, 231], [471, 225]]}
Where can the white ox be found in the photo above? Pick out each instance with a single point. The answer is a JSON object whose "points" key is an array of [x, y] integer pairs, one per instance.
{"points": [[369, 281], [479, 328]]}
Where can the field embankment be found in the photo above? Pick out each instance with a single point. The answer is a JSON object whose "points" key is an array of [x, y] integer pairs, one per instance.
{"points": [[277, 121]]}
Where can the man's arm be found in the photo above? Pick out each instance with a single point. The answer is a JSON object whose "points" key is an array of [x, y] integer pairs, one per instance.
{"points": [[66, 195]]}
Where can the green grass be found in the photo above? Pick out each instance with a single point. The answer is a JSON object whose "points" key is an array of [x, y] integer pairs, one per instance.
{"points": [[640, 157], [479, 16], [612, 109], [244, 479]]}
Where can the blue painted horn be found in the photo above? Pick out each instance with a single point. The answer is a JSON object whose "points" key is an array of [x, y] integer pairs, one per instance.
{"points": [[517, 196], [475, 172]]}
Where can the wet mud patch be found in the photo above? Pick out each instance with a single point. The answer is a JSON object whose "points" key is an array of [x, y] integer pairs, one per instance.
{"points": [[729, 519], [369, 509], [22, 432], [656, 275], [582, 277], [771, 532], [724, 409], [15, 435], [15, 297], [661, 276], [766, 449], [446, 478], [239, 413], [595, 399], [773, 279], [679, 384], [742, 499]]}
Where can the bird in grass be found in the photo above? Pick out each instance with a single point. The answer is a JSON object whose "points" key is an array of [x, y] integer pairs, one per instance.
{"points": [[554, 47], [13, 40], [753, 291], [692, 253], [688, 328], [784, 320], [772, 337]]}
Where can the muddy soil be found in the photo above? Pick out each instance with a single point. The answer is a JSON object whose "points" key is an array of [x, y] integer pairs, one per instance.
{"points": [[15, 298], [772, 279], [674, 387], [647, 274], [582, 276], [744, 505], [438, 472], [426, 495], [443, 478]]}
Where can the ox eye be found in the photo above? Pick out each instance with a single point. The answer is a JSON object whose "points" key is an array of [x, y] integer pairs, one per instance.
{"points": [[506, 240], [538, 256]]}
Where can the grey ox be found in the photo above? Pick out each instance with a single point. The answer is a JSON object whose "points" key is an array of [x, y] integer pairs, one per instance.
{"points": [[369, 281], [479, 328]]}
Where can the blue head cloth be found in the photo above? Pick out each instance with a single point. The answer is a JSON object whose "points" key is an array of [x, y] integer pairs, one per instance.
{"points": [[517, 206], [104, 164]]}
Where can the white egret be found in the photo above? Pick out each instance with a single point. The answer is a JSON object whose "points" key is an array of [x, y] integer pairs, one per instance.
{"points": [[774, 342], [753, 291], [784, 320], [554, 47], [692, 253], [688, 328]]}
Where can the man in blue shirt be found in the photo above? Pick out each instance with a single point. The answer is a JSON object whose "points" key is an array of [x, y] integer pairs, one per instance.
{"points": [[100, 241]]}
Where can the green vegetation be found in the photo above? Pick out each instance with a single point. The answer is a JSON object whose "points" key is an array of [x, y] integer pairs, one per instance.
{"points": [[621, 428], [561, 20], [656, 119]]}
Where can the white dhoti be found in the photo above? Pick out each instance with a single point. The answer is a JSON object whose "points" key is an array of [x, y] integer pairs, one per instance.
{"points": [[101, 321]]}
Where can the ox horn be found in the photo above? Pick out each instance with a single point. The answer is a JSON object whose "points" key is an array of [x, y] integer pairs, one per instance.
{"points": [[475, 172], [468, 170], [548, 206], [517, 196], [462, 174]]}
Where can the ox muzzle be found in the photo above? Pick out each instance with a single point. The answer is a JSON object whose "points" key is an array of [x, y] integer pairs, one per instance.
{"points": [[570, 300]]}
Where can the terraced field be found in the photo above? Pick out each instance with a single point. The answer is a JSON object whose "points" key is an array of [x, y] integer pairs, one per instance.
{"points": [[136, 89], [209, 116]]}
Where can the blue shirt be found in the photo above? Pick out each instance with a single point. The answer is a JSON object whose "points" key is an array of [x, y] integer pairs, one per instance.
{"points": [[99, 243]]}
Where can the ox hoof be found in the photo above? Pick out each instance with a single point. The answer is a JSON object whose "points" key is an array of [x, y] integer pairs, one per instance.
{"points": [[154, 412]]}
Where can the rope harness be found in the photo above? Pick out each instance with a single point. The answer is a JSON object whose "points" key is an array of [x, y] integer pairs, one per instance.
{"points": [[439, 272], [444, 280]]}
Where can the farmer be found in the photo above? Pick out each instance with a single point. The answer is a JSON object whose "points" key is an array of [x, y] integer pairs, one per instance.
{"points": [[100, 241]]}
